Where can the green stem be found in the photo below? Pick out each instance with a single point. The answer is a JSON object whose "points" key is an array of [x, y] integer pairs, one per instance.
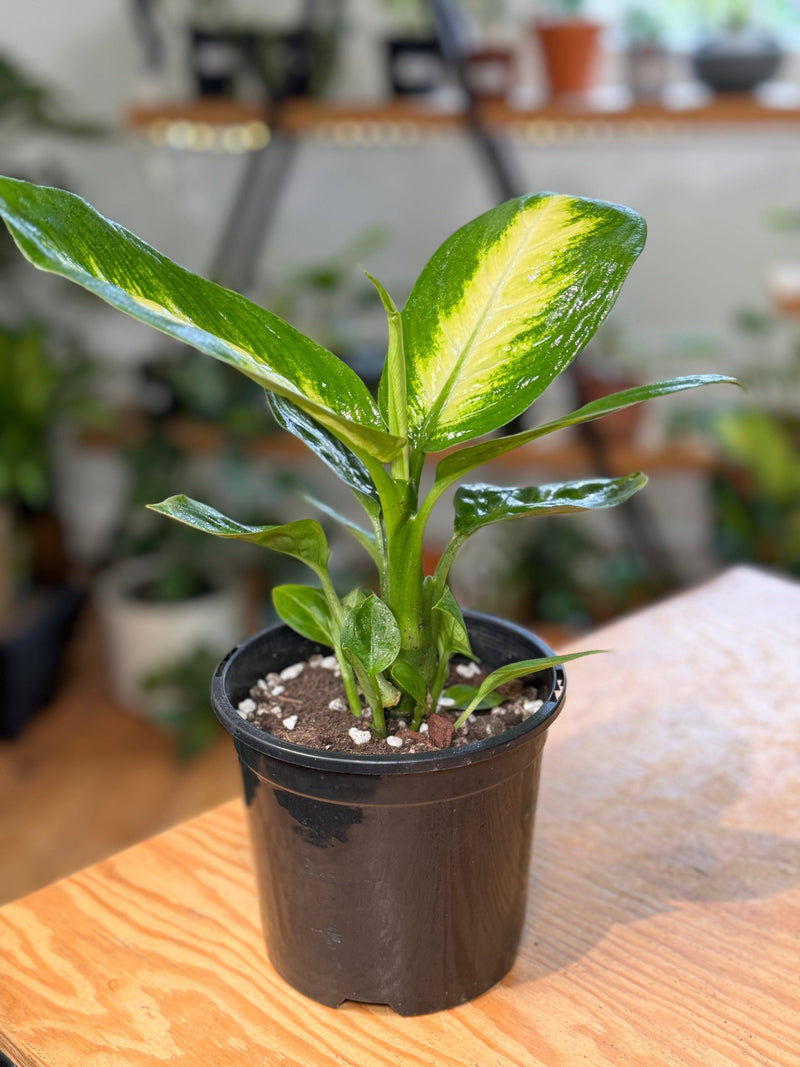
{"points": [[440, 677]]}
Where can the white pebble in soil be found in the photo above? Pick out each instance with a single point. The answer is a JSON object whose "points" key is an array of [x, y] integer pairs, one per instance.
{"points": [[262, 683], [531, 705], [290, 722], [467, 670], [245, 707], [276, 690], [360, 737], [394, 742], [276, 709], [423, 728], [329, 663], [315, 660], [499, 710], [446, 702], [337, 704], [288, 673]]}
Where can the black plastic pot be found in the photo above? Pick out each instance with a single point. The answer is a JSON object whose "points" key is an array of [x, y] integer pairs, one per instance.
{"points": [[31, 651], [737, 62], [386, 879], [415, 65]]}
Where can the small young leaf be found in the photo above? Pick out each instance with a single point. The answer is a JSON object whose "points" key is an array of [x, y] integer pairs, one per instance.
{"points": [[464, 694], [392, 388], [306, 610], [452, 628], [354, 598], [410, 680], [516, 670], [304, 539], [371, 635]]}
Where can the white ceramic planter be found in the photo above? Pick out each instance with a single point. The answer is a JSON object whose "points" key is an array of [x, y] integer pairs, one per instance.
{"points": [[142, 636]]}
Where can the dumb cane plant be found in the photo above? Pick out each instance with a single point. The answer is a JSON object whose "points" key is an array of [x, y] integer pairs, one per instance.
{"points": [[500, 310]]}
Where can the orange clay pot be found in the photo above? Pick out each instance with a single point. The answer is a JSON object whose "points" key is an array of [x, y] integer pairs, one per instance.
{"points": [[570, 50]]}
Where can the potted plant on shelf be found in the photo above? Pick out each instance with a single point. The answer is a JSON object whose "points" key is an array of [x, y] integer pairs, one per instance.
{"points": [[415, 64], [392, 852], [570, 48]]}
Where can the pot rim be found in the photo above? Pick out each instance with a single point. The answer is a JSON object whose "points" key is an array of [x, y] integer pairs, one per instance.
{"points": [[246, 733]]}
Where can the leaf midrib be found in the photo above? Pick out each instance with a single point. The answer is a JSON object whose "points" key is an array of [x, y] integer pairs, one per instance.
{"points": [[455, 374]]}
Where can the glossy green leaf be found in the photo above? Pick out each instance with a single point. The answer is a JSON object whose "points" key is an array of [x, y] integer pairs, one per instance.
{"points": [[465, 694], [354, 598], [371, 636], [304, 539], [510, 671], [459, 463], [409, 679], [365, 539], [453, 634], [306, 610], [480, 505], [59, 232], [505, 305], [331, 450], [392, 398]]}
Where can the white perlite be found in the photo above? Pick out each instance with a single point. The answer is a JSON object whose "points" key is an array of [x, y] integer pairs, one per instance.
{"points": [[276, 709], [262, 683], [360, 737], [290, 722], [294, 671], [446, 702], [337, 704], [467, 670], [315, 660], [499, 710], [395, 742], [423, 728], [531, 705], [276, 690], [330, 663], [244, 707]]}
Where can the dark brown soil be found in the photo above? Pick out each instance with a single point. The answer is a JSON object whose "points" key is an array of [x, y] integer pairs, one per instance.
{"points": [[306, 704]]}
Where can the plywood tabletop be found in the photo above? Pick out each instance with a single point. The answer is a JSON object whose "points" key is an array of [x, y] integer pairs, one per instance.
{"points": [[664, 919]]}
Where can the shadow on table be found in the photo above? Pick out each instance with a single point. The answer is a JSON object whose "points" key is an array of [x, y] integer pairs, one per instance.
{"points": [[629, 824]]}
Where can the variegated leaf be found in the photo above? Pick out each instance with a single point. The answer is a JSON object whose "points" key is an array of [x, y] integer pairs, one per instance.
{"points": [[59, 232], [480, 505], [304, 539], [505, 305]]}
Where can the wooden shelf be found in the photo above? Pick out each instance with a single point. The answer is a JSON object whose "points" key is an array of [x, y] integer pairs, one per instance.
{"points": [[398, 117]]}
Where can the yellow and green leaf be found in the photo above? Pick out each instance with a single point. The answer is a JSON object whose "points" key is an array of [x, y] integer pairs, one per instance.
{"points": [[505, 305], [59, 232]]}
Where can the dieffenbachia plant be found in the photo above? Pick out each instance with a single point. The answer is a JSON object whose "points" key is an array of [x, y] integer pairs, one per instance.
{"points": [[500, 310]]}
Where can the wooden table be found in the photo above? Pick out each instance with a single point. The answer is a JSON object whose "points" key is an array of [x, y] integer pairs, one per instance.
{"points": [[664, 920]]}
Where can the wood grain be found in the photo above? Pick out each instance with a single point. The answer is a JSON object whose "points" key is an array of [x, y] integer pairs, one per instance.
{"points": [[665, 909]]}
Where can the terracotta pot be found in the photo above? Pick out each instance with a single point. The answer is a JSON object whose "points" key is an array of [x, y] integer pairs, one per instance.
{"points": [[570, 50]]}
